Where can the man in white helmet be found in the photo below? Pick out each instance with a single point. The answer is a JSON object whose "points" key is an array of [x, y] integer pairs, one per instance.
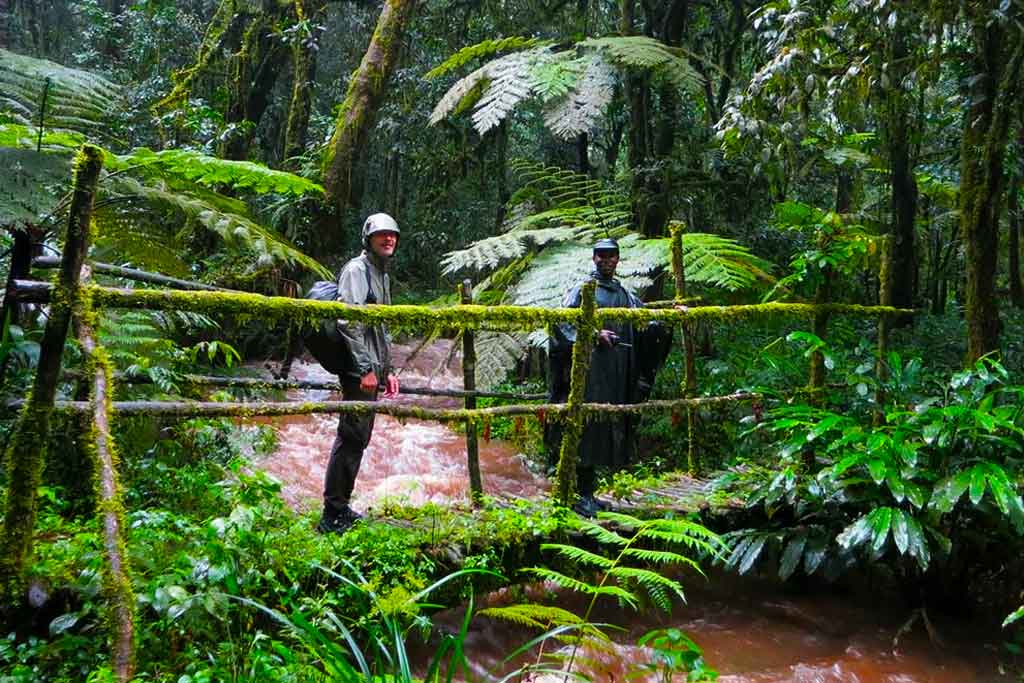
{"points": [[363, 280]]}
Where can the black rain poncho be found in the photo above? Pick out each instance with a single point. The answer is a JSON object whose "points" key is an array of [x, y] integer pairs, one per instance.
{"points": [[619, 374]]}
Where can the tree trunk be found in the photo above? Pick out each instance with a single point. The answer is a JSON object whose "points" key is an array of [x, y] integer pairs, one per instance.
{"points": [[254, 70], [903, 186], [359, 108], [996, 64], [1013, 236], [304, 52]]}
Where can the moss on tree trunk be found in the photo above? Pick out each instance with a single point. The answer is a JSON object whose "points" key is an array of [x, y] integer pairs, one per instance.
{"points": [[358, 110]]}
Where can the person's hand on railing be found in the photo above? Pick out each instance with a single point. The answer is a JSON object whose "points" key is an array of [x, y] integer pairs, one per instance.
{"points": [[607, 338], [391, 390], [368, 382]]}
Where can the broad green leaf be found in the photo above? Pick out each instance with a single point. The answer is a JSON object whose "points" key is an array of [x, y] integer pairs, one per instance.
{"points": [[900, 531], [880, 521], [1017, 615], [977, 489], [948, 492], [896, 486], [877, 469], [751, 554], [916, 542], [791, 556], [814, 553], [856, 533]]}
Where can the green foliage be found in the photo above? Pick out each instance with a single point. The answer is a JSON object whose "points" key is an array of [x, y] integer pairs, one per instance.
{"points": [[482, 49], [574, 84], [623, 564], [893, 489]]}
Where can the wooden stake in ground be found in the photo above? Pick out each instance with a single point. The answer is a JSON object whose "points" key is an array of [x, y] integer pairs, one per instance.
{"points": [[476, 487], [26, 453], [568, 456]]}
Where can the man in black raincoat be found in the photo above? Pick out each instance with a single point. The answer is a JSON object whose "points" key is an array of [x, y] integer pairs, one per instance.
{"points": [[622, 369]]}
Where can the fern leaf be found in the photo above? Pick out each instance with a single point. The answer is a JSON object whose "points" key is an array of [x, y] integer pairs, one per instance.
{"points": [[578, 111], [510, 83], [623, 521], [497, 352], [537, 616], [579, 555], [602, 535], [562, 580], [482, 49], [452, 99], [656, 584], [75, 99], [213, 172], [655, 556], [234, 228], [555, 75], [647, 54]]}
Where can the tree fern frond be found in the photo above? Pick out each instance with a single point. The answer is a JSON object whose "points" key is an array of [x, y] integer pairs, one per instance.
{"points": [[30, 182], [482, 49], [603, 535], [562, 580], [623, 521], [235, 229], [509, 84], [537, 616], [656, 556], [497, 352], [555, 75], [213, 172], [76, 100], [648, 54], [452, 99], [652, 581], [579, 555], [583, 104]]}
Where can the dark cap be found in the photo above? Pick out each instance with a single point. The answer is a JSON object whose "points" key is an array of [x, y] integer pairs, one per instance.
{"points": [[606, 244]]}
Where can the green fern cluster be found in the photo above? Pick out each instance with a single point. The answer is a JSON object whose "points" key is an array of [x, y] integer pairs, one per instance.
{"points": [[545, 249], [574, 85], [624, 568]]}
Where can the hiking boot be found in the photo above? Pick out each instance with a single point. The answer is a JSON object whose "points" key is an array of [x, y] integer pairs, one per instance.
{"points": [[338, 524], [587, 506]]}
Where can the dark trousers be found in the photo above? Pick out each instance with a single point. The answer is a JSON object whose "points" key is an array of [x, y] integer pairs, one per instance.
{"points": [[354, 431]]}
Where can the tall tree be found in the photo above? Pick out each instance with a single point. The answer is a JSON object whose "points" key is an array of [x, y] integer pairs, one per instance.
{"points": [[997, 50], [366, 90]]}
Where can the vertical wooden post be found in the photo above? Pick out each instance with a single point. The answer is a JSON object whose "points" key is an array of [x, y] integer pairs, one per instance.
{"points": [[476, 487], [884, 325], [26, 452], [21, 264], [99, 443], [690, 381], [568, 456]]}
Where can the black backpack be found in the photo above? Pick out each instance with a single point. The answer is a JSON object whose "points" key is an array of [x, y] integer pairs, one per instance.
{"points": [[324, 341]]}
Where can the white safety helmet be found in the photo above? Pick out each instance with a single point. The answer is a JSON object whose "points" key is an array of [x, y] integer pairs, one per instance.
{"points": [[379, 222]]}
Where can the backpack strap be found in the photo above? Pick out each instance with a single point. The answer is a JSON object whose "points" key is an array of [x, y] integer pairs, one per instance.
{"points": [[371, 298]]}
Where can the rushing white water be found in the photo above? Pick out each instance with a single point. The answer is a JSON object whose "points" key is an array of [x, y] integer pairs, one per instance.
{"points": [[412, 462]]}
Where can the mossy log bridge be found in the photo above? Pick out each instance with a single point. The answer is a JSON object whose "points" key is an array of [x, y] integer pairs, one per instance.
{"points": [[72, 296]]}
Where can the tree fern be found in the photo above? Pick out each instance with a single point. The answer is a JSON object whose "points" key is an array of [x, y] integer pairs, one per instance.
{"points": [[76, 100], [483, 49], [574, 85]]}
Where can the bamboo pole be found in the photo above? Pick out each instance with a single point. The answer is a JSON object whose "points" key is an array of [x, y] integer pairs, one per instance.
{"points": [[568, 456], [136, 275], [99, 440], [188, 409], [690, 381], [476, 487], [885, 281], [26, 452], [331, 385], [464, 317]]}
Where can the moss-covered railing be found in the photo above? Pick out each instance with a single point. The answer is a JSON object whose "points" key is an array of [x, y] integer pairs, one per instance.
{"points": [[69, 296]]}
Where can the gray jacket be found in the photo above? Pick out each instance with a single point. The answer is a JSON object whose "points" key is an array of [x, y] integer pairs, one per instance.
{"points": [[370, 344]]}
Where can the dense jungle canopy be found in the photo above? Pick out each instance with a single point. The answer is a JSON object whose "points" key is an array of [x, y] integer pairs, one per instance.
{"points": [[860, 160]]}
